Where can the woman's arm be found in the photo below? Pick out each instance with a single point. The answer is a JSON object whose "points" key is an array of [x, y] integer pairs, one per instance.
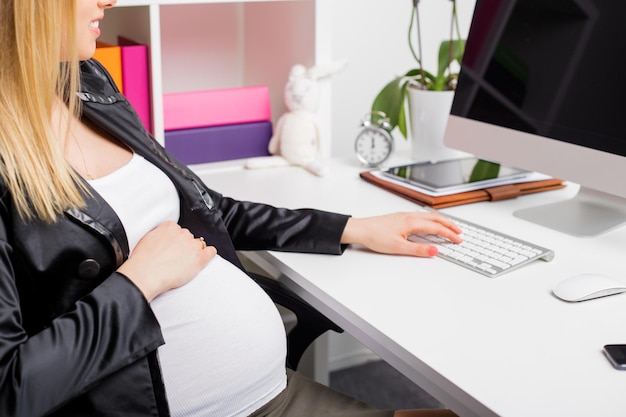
{"points": [[110, 327], [255, 226], [40, 372]]}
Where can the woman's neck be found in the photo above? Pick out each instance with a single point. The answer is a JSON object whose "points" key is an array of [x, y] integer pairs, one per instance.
{"points": [[89, 150]]}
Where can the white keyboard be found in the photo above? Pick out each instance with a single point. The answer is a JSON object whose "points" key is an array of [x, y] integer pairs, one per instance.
{"points": [[484, 250]]}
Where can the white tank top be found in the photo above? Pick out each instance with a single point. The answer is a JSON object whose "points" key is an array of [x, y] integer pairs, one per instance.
{"points": [[225, 345]]}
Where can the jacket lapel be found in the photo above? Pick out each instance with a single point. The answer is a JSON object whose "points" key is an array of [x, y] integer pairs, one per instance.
{"points": [[100, 217]]}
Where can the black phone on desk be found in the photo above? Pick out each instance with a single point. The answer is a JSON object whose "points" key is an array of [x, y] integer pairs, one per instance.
{"points": [[616, 354]]}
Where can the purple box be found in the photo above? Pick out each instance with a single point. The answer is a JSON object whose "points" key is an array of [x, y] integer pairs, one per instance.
{"points": [[219, 143]]}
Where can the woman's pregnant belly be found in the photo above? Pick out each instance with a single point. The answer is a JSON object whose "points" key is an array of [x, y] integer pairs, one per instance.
{"points": [[225, 345]]}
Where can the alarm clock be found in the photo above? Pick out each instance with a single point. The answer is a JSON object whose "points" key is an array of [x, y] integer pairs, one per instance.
{"points": [[374, 143]]}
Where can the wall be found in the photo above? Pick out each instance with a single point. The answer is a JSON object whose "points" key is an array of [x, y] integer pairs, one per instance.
{"points": [[373, 36]]}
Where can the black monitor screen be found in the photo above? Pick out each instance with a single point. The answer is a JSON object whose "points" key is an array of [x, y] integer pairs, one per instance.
{"points": [[549, 67]]}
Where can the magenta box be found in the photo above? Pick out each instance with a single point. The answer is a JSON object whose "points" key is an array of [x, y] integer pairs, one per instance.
{"points": [[216, 107], [136, 78], [219, 143]]}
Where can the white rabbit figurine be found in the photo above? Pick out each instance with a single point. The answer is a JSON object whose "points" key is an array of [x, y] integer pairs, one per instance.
{"points": [[297, 138]]}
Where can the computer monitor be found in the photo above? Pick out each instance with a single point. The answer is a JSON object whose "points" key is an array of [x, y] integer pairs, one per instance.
{"points": [[542, 87]]}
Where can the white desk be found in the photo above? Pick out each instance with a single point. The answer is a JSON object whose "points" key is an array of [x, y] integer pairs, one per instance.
{"points": [[484, 347]]}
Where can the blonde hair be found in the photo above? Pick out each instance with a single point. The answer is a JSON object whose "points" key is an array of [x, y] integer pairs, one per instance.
{"points": [[34, 34]]}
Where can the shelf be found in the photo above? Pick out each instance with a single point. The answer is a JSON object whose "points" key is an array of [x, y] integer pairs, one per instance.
{"points": [[127, 3], [199, 44]]}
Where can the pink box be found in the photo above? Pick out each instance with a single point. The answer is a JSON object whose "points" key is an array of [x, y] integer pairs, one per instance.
{"points": [[136, 78], [216, 107]]}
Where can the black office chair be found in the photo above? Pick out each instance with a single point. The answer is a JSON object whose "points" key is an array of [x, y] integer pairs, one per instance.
{"points": [[309, 325]]}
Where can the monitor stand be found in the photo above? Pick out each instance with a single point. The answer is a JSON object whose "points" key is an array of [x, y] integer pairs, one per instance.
{"points": [[589, 213]]}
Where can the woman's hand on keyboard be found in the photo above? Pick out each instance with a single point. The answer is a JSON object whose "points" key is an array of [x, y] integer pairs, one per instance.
{"points": [[389, 233]]}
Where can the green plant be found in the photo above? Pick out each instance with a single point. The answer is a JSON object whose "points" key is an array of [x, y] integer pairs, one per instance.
{"points": [[392, 98]]}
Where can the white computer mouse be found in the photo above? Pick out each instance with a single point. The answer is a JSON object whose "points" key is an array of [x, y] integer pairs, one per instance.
{"points": [[588, 286]]}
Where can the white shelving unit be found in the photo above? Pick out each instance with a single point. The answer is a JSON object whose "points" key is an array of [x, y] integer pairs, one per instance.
{"points": [[202, 44]]}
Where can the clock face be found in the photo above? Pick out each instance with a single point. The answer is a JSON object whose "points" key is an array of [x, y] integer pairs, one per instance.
{"points": [[373, 146]]}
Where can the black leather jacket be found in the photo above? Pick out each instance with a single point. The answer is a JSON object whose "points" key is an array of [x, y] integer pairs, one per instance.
{"points": [[78, 338]]}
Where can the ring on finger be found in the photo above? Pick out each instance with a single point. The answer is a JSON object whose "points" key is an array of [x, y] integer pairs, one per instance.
{"points": [[201, 239]]}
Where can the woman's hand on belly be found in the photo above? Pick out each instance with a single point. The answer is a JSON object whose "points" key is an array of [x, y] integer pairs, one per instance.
{"points": [[167, 257]]}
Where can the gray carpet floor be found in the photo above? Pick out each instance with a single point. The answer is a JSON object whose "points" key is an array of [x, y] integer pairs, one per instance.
{"points": [[381, 386]]}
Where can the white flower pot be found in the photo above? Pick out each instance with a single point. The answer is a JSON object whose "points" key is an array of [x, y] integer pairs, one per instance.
{"points": [[428, 115]]}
